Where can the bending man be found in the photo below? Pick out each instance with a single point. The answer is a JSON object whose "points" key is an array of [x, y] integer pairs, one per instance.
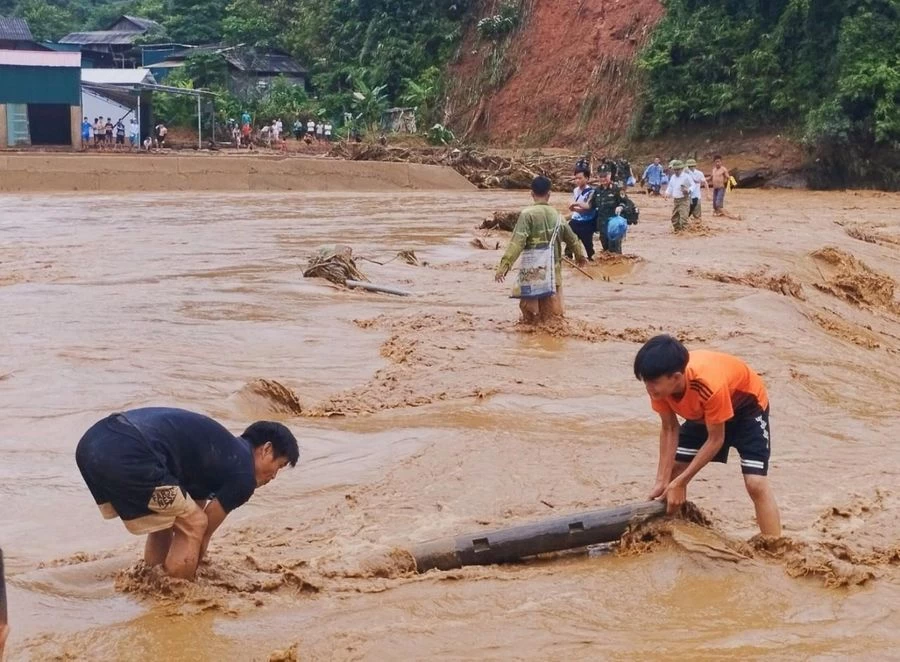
{"points": [[175, 475], [724, 404]]}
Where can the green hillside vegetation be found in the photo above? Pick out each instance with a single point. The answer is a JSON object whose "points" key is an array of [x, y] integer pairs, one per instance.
{"points": [[829, 68], [826, 70]]}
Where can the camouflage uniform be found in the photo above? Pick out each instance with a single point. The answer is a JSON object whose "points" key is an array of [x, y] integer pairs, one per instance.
{"points": [[606, 198]]}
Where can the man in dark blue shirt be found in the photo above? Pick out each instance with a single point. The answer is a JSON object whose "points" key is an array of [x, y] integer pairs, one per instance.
{"points": [[175, 475]]}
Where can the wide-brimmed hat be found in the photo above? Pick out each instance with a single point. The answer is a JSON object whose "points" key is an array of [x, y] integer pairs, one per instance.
{"points": [[677, 165], [690, 163]]}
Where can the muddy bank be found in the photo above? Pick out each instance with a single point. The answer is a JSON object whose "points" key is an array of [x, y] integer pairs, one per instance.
{"points": [[514, 169], [202, 172]]}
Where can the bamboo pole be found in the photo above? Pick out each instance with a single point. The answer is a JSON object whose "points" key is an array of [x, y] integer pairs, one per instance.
{"points": [[577, 267], [517, 542]]}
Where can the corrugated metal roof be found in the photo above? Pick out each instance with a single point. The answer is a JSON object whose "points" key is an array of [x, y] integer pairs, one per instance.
{"points": [[144, 24], [117, 76], [40, 58], [263, 63], [167, 64], [14, 29], [108, 37], [253, 60]]}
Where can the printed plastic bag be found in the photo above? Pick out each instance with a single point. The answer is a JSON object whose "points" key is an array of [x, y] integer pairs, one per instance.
{"points": [[537, 271]]}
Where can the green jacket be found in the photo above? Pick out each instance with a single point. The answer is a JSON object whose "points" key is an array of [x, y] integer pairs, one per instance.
{"points": [[535, 226], [606, 199]]}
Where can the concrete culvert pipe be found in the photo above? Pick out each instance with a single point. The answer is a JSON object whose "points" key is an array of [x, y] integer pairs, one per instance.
{"points": [[518, 542]]}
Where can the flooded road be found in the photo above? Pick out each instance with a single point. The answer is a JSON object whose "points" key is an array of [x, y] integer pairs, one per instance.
{"points": [[437, 414]]}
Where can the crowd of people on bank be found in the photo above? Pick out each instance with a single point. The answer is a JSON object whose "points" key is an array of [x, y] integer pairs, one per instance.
{"points": [[274, 134]]}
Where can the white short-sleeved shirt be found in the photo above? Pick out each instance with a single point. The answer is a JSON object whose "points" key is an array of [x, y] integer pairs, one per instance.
{"points": [[698, 178], [678, 182]]}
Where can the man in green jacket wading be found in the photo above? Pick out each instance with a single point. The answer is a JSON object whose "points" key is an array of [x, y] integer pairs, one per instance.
{"points": [[536, 226]]}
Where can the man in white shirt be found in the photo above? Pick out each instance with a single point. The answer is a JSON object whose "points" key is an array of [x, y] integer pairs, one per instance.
{"points": [[327, 129], [699, 180], [134, 132], [311, 129], [279, 127], [679, 189]]}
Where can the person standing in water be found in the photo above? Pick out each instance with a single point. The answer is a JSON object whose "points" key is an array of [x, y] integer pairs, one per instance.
{"points": [[720, 176], [699, 179], [584, 215], [174, 475], [653, 177], [608, 200], [540, 224], [679, 189], [725, 404]]}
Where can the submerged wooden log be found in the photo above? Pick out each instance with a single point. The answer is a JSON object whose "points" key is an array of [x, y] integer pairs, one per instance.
{"points": [[518, 542], [372, 287]]}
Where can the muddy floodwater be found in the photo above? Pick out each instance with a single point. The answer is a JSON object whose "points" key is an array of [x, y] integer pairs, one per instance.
{"points": [[436, 415]]}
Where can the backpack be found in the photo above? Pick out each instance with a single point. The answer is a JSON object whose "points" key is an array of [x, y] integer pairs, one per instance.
{"points": [[630, 211]]}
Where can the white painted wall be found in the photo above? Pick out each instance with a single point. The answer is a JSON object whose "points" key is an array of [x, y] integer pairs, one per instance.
{"points": [[96, 105]]}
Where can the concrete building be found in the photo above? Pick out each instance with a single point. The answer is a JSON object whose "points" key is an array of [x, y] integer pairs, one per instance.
{"points": [[40, 98]]}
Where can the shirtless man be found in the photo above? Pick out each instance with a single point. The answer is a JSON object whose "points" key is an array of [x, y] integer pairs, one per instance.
{"points": [[174, 476]]}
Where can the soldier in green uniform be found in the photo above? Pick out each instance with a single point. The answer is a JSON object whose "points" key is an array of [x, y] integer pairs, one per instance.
{"points": [[608, 199], [537, 225]]}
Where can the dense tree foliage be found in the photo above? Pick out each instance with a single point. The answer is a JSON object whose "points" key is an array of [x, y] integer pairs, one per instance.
{"points": [[831, 67]]}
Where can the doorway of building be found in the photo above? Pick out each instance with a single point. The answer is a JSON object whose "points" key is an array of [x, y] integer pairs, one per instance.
{"points": [[50, 124]]}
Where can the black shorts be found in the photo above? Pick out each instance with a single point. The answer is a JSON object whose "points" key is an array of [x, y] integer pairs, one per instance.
{"points": [[128, 479], [748, 433], [120, 140]]}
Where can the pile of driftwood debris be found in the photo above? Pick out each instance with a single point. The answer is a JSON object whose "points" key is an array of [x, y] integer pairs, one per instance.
{"points": [[503, 220], [482, 169], [334, 263]]}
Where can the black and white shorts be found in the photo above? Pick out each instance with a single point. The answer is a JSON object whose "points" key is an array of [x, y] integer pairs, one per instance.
{"points": [[128, 479], [748, 433]]}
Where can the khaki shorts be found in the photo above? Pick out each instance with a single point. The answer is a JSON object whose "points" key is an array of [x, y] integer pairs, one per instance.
{"points": [[167, 502]]}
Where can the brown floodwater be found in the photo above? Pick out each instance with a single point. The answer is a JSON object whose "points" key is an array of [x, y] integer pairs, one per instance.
{"points": [[437, 414]]}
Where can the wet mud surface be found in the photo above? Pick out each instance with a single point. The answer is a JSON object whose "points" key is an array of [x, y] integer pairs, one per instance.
{"points": [[438, 414]]}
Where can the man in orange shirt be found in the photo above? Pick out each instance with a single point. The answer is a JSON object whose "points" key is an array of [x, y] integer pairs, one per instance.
{"points": [[724, 404]]}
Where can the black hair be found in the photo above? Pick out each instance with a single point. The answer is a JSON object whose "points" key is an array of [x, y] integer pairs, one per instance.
{"points": [[717, 157], [540, 186], [284, 444], [583, 169], [660, 356]]}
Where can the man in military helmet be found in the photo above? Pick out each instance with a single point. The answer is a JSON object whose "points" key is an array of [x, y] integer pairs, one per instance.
{"points": [[608, 200]]}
